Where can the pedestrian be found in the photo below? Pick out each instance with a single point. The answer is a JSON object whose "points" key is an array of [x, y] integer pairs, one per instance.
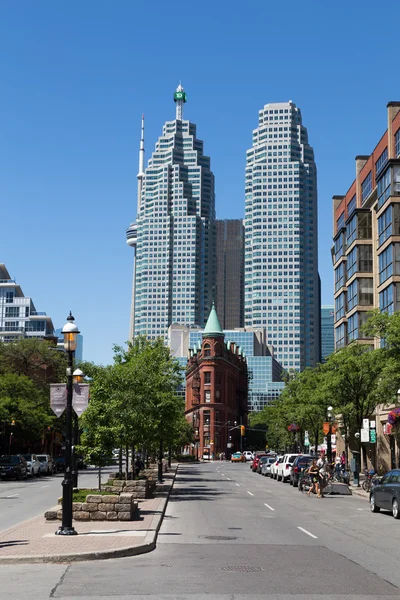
{"points": [[313, 472], [338, 465], [322, 468], [343, 460]]}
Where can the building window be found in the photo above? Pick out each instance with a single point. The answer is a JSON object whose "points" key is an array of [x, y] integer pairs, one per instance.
{"points": [[352, 327], [364, 226], [366, 187], [339, 247], [352, 205], [385, 264], [351, 230], [383, 188], [386, 300], [341, 336], [207, 377], [381, 162], [11, 325], [9, 297], [35, 326], [340, 306], [352, 263], [385, 225], [207, 350], [397, 143], [340, 274], [366, 292], [352, 295], [365, 259], [340, 221], [12, 311]]}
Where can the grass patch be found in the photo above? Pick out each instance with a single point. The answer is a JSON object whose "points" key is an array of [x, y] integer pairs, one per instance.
{"points": [[80, 495]]}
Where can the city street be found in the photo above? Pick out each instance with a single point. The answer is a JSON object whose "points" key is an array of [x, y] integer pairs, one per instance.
{"points": [[22, 500], [230, 534]]}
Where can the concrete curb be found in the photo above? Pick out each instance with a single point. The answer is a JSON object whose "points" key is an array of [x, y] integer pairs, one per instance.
{"points": [[149, 544], [356, 491]]}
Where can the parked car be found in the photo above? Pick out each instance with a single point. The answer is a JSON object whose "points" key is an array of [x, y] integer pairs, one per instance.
{"points": [[13, 466], [386, 494], [266, 466], [248, 455], [274, 467], [33, 464], [301, 463], [256, 460], [261, 462], [46, 464], [284, 467], [238, 457], [59, 464]]}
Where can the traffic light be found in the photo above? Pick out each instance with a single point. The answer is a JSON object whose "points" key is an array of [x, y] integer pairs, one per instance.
{"points": [[242, 430]]}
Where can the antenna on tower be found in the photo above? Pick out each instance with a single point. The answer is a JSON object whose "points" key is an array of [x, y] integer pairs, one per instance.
{"points": [[179, 99], [141, 165]]}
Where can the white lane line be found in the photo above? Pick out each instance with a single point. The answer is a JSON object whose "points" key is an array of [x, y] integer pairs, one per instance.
{"points": [[10, 497], [238, 484], [44, 486], [228, 479], [308, 533], [250, 493], [268, 506]]}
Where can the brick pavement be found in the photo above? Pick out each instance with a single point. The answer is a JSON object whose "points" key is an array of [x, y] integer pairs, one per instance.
{"points": [[35, 540]]}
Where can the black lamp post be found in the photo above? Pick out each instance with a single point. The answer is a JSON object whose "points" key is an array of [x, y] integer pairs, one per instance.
{"points": [[77, 378], [329, 436], [70, 332]]}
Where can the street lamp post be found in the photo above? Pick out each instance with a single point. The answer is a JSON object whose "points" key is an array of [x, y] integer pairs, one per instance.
{"points": [[329, 436], [70, 332], [77, 378]]}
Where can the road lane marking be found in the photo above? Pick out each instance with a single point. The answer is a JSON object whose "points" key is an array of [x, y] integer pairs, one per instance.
{"points": [[228, 479], [44, 486], [238, 484], [268, 506], [11, 497], [308, 533], [250, 493]]}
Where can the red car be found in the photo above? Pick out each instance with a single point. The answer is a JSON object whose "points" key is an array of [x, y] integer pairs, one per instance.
{"points": [[255, 462]]}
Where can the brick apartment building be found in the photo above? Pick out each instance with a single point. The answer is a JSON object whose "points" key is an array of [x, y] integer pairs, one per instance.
{"points": [[366, 256], [216, 391]]}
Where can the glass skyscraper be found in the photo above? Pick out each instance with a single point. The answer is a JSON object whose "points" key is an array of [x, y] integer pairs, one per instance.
{"points": [[281, 252], [229, 298], [174, 233], [327, 331]]}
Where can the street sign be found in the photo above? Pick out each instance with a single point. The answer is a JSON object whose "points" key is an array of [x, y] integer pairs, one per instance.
{"points": [[372, 436], [372, 425], [365, 435], [58, 398], [333, 439], [365, 423], [80, 397], [229, 445]]}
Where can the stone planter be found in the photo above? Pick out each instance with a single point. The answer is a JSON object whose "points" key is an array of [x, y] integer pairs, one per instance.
{"points": [[100, 508]]}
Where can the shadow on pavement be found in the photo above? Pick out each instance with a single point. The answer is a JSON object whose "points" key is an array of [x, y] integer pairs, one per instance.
{"points": [[13, 543]]}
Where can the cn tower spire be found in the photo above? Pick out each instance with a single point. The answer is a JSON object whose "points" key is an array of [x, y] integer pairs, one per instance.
{"points": [[141, 165], [179, 99]]}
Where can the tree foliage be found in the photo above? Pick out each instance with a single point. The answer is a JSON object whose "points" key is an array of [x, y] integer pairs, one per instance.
{"points": [[134, 401]]}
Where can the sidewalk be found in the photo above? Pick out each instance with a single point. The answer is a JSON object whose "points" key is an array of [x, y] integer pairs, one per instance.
{"points": [[34, 541]]}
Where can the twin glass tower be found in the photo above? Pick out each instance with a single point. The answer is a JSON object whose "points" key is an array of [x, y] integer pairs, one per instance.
{"points": [[174, 235]]}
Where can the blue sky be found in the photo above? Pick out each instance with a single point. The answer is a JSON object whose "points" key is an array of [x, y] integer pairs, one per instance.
{"points": [[75, 77]]}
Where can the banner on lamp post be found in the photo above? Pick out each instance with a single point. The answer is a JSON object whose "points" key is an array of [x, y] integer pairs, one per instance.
{"points": [[80, 397], [365, 435], [58, 398], [306, 439]]}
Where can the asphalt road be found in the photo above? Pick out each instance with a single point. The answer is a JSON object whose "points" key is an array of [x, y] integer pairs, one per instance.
{"points": [[25, 499], [229, 534]]}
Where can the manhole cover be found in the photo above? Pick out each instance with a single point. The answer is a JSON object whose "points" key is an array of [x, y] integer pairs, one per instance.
{"points": [[225, 538], [242, 569]]}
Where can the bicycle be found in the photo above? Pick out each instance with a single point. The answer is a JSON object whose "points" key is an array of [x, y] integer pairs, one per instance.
{"points": [[369, 481]]}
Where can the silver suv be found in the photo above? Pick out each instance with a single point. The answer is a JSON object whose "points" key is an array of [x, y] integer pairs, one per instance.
{"points": [[46, 464]]}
